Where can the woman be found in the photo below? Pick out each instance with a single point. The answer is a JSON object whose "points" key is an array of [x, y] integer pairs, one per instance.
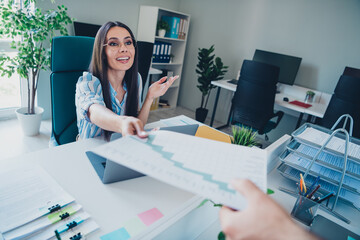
{"points": [[108, 96]]}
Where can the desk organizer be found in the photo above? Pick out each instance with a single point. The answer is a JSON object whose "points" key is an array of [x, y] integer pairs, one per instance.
{"points": [[331, 154]]}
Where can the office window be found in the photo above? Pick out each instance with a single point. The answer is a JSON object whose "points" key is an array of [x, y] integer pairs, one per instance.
{"points": [[11, 93]]}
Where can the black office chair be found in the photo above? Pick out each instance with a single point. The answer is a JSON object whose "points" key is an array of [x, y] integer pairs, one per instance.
{"points": [[345, 100], [253, 102], [353, 72], [70, 56], [145, 52]]}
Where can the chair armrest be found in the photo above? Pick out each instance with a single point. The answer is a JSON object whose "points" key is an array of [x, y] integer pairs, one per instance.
{"points": [[279, 115]]}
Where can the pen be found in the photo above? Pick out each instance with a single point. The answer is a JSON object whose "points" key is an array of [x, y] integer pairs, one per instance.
{"points": [[327, 196], [314, 184], [312, 193], [301, 176]]}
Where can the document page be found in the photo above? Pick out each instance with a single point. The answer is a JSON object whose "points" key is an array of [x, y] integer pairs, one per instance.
{"points": [[336, 144], [201, 166], [26, 193]]}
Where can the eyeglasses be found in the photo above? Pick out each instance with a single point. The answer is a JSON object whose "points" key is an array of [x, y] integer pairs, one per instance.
{"points": [[115, 43]]}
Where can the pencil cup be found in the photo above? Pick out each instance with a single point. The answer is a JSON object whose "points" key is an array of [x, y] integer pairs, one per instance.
{"points": [[305, 210]]}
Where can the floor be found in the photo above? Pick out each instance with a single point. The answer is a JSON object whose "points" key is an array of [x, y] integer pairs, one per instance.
{"points": [[14, 143]]}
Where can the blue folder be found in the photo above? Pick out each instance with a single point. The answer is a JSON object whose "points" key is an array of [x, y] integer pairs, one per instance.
{"points": [[109, 171]]}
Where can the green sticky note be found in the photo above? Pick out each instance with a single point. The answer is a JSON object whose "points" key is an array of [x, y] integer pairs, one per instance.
{"points": [[350, 238], [55, 217], [134, 226]]}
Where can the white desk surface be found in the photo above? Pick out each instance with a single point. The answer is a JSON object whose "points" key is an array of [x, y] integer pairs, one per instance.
{"points": [[109, 205], [112, 204], [294, 92]]}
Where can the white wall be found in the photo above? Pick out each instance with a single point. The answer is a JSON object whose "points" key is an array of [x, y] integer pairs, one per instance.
{"points": [[325, 33]]}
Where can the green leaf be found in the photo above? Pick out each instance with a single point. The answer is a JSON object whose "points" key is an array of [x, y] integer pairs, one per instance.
{"points": [[202, 203], [221, 236], [269, 191]]}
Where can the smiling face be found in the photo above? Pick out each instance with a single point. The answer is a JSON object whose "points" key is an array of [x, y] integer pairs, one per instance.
{"points": [[119, 49]]}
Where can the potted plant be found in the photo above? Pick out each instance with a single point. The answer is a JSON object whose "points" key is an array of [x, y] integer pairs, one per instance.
{"points": [[29, 28], [309, 96], [162, 28], [208, 70], [244, 136]]}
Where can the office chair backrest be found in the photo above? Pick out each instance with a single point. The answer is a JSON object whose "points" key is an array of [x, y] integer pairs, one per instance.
{"points": [[346, 99], [145, 53], [253, 102], [70, 56], [354, 72]]}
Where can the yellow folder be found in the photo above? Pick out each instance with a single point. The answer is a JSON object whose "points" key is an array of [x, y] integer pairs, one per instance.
{"points": [[213, 134]]}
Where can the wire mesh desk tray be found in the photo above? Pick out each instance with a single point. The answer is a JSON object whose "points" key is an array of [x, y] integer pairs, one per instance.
{"points": [[332, 155]]}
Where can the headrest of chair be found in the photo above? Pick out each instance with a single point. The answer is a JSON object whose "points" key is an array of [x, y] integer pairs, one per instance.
{"points": [[260, 72], [347, 89], [71, 53]]}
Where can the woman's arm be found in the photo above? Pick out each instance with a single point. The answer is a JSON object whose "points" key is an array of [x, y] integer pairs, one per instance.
{"points": [[108, 120], [156, 89]]}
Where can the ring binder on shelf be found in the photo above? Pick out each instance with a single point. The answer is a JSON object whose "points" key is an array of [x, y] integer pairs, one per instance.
{"points": [[324, 149]]}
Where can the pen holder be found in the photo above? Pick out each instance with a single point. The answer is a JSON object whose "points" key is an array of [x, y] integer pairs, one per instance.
{"points": [[304, 210]]}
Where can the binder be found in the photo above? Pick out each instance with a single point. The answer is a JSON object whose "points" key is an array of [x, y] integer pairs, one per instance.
{"points": [[174, 23], [109, 171]]}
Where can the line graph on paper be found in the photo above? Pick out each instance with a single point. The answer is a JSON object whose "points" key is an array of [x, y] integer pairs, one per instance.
{"points": [[198, 165]]}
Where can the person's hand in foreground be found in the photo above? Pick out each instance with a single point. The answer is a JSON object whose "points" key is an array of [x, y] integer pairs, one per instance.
{"points": [[263, 218], [132, 126]]}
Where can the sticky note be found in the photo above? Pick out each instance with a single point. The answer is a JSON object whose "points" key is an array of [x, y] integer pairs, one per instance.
{"points": [[350, 238], [213, 134], [134, 226], [120, 234], [150, 216]]}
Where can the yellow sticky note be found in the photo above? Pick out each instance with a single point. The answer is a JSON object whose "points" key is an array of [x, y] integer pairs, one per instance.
{"points": [[213, 134]]}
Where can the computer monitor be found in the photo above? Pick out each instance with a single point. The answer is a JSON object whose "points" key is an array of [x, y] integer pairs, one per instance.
{"points": [[86, 29], [289, 65]]}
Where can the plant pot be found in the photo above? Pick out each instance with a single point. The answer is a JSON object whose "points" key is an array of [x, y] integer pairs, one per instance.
{"points": [[201, 114], [161, 32], [30, 123]]}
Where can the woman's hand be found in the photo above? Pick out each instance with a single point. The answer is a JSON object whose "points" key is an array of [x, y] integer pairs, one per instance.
{"points": [[160, 87], [132, 126]]}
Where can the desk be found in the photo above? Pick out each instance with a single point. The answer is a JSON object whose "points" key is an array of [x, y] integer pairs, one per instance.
{"points": [[293, 92], [112, 204]]}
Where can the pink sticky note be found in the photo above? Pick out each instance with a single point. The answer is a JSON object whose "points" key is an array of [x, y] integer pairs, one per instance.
{"points": [[150, 216]]}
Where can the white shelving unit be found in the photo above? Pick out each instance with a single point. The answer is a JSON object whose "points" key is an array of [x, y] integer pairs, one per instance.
{"points": [[148, 18]]}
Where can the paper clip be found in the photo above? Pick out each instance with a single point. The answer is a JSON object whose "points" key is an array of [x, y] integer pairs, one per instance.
{"points": [[76, 236], [64, 215], [54, 208]]}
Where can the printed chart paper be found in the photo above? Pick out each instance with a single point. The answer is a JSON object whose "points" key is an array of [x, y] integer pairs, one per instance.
{"points": [[198, 165]]}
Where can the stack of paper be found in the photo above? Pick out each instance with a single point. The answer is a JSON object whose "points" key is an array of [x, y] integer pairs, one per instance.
{"points": [[33, 205]]}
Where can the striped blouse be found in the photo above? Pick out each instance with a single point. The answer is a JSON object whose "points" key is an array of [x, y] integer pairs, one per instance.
{"points": [[88, 92]]}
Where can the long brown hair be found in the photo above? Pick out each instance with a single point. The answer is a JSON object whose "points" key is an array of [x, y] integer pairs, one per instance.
{"points": [[99, 68]]}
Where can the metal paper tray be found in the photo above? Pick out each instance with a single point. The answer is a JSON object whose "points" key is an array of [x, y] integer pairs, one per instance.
{"points": [[300, 130], [309, 180], [352, 165], [315, 174]]}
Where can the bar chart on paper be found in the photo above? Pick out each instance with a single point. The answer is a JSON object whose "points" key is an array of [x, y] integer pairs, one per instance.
{"points": [[198, 165]]}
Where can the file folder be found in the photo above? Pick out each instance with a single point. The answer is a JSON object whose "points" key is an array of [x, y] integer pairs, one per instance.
{"points": [[109, 171]]}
